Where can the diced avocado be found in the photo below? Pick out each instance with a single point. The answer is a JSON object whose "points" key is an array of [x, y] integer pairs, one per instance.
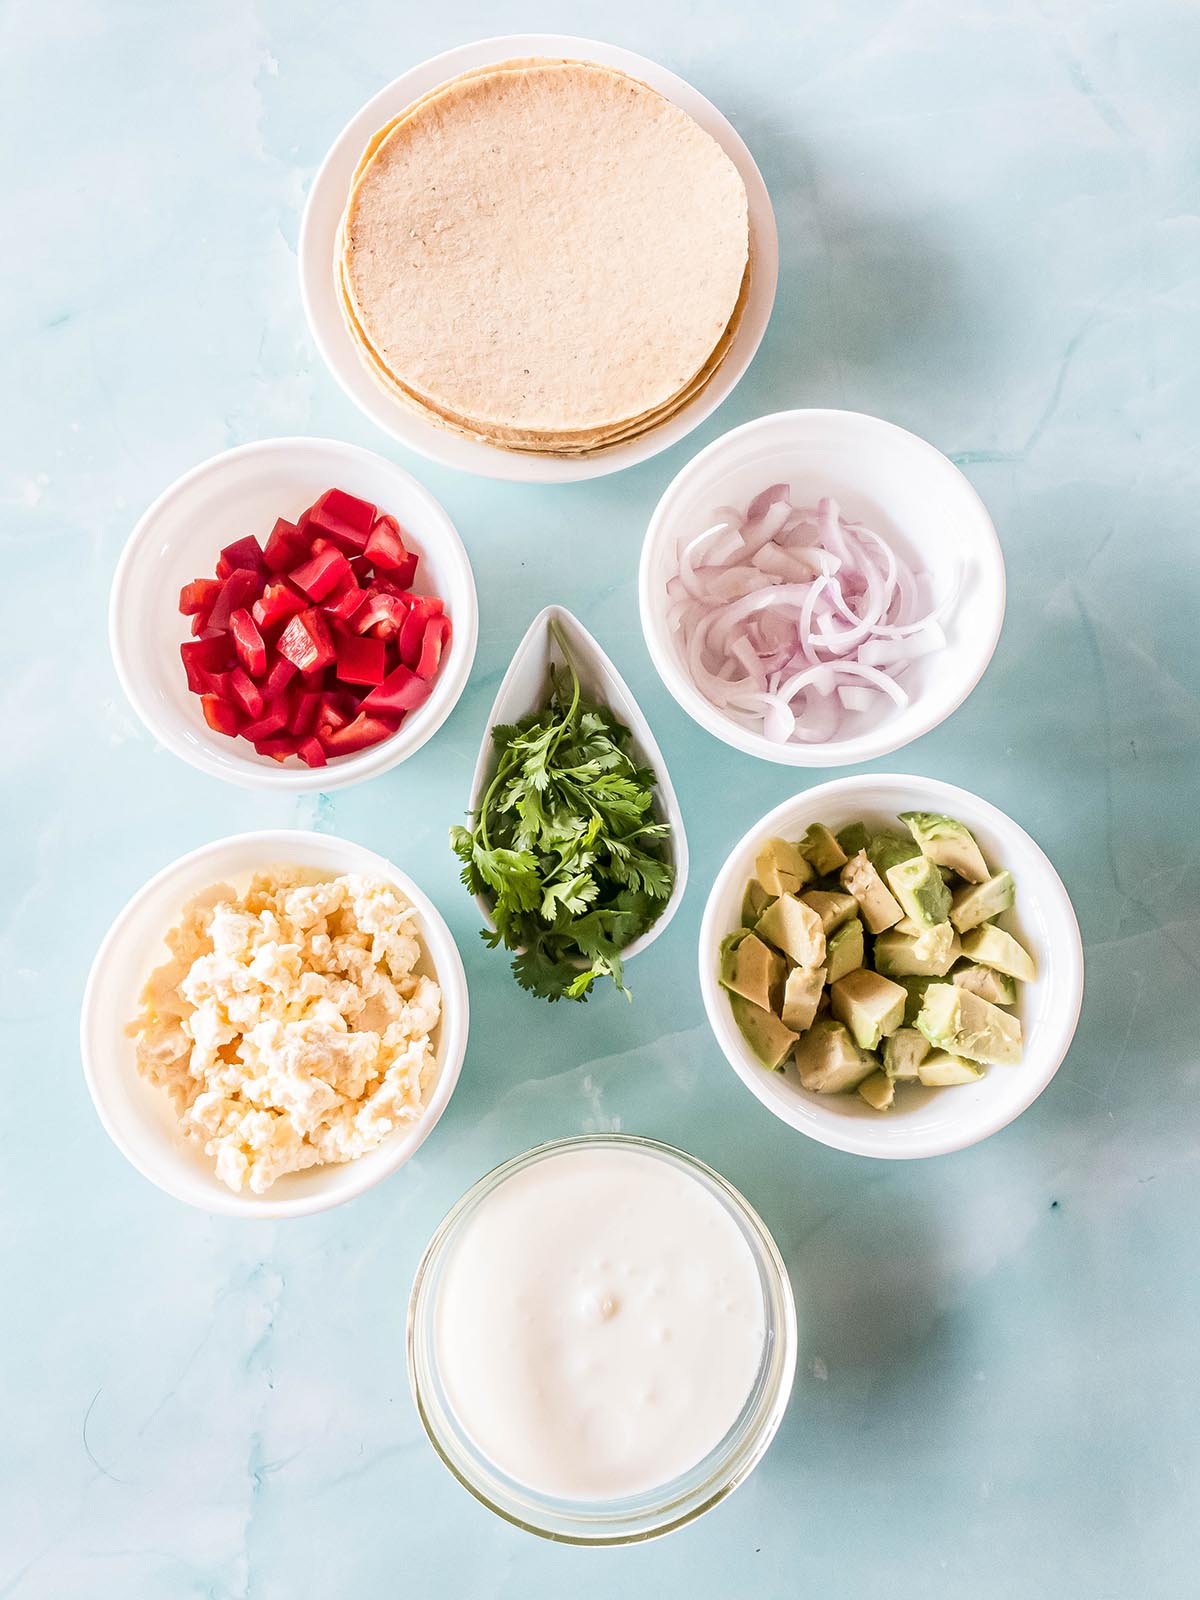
{"points": [[763, 1032], [903, 1053], [878, 1090], [988, 984], [794, 928], [754, 902], [948, 843], [870, 1005], [954, 1019], [940, 1069], [886, 850], [844, 950], [980, 902], [915, 989], [829, 1061], [992, 947], [852, 838], [878, 907], [930, 954], [751, 968], [781, 869], [909, 928], [801, 996], [821, 850], [832, 908], [918, 886]]}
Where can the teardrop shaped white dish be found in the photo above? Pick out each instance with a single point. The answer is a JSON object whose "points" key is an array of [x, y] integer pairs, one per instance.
{"points": [[523, 689]]}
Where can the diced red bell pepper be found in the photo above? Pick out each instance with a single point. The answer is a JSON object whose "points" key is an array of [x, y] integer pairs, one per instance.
{"points": [[202, 656], [381, 613], [276, 605], [244, 554], [344, 601], [344, 518], [437, 637], [311, 752], [306, 642], [364, 731], [199, 596], [220, 715], [422, 608], [285, 546], [386, 547], [281, 673], [245, 693], [272, 721], [304, 706], [322, 574], [200, 627], [248, 643], [361, 658], [279, 746], [399, 692], [362, 570], [239, 589]]}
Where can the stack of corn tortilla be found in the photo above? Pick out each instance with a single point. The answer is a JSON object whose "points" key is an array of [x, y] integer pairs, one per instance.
{"points": [[546, 256]]}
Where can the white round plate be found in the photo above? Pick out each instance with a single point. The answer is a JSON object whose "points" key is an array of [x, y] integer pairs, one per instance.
{"points": [[323, 214]]}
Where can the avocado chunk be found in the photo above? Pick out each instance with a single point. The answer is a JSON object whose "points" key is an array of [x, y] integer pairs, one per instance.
{"points": [[940, 1069], [992, 947], [954, 1019], [844, 950], [852, 838], [980, 902], [821, 850], [878, 1091], [919, 887], [947, 843], [879, 909], [987, 983], [930, 954], [801, 997], [794, 928], [903, 1053], [781, 869], [754, 902], [870, 1006], [763, 1032], [751, 968], [886, 850], [829, 1061], [832, 908]]}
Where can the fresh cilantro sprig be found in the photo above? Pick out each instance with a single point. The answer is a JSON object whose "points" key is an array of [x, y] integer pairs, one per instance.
{"points": [[565, 847]]}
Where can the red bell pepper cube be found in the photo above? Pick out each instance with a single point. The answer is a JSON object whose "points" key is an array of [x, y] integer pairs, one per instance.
{"points": [[386, 547], [437, 637], [306, 642], [199, 596], [423, 607], [220, 715], [344, 601], [242, 554], [244, 692], [364, 731], [381, 613], [322, 574], [399, 692], [240, 588], [272, 721], [201, 656], [277, 604], [361, 658], [311, 752], [279, 746], [303, 708], [344, 518], [285, 546], [280, 674], [248, 643]]}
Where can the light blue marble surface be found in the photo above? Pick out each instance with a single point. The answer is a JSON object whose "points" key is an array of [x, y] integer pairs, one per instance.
{"points": [[988, 223]]}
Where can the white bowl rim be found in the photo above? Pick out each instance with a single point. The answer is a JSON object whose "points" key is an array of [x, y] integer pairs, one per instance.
{"points": [[451, 977], [344, 770], [442, 445], [834, 752], [853, 1136]]}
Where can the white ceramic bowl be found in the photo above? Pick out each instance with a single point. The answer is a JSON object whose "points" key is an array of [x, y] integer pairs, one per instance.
{"points": [[139, 1118], [898, 485], [318, 243], [923, 1122], [240, 492], [523, 689]]}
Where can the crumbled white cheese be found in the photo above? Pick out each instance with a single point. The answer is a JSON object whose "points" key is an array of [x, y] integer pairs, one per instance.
{"points": [[290, 1027]]}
